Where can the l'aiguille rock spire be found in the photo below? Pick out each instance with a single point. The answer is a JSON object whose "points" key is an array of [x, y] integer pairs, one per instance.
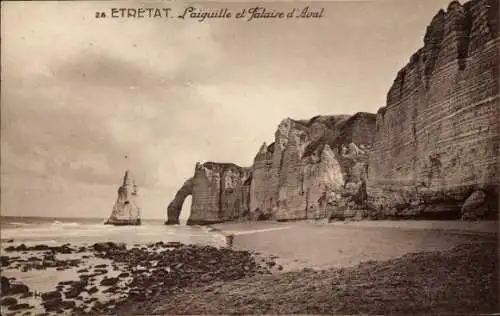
{"points": [[126, 211]]}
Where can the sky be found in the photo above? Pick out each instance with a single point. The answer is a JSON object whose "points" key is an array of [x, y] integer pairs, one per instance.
{"points": [[79, 93]]}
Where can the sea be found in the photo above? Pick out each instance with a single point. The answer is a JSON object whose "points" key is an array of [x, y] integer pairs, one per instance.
{"points": [[79, 231], [82, 232]]}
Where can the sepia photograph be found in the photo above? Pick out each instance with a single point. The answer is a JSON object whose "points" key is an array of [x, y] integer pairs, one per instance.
{"points": [[176, 157]]}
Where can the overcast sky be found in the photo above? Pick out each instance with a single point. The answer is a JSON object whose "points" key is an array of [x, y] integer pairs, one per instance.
{"points": [[78, 93]]}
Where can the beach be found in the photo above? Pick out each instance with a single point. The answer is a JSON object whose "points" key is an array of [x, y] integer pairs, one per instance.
{"points": [[334, 245], [294, 267]]}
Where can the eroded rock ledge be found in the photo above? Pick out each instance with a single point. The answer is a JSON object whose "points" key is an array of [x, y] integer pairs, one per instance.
{"points": [[431, 152]]}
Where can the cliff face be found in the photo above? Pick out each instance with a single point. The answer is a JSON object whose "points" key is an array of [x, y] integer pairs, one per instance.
{"points": [[309, 164], [219, 193], [437, 138], [432, 151], [308, 161]]}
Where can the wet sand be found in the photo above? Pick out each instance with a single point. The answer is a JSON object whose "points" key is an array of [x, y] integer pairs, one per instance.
{"points": [[325, 245]]}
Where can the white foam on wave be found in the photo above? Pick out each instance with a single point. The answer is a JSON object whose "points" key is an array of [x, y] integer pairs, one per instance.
{"points": [[20, 224], [65, 224], [246, 232], [76, 233]]}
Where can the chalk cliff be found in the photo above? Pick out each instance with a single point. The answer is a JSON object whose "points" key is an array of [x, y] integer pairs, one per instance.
{"points": [[437, 139], [219, 193], [125, 210], [431, 152], [310, 161]]}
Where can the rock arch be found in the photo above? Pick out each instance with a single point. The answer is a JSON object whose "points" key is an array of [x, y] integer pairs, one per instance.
{"points": [[175, 207]]}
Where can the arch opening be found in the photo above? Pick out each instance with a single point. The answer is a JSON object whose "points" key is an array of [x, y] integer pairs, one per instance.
{"points": [[185, 210], [178, 204]]}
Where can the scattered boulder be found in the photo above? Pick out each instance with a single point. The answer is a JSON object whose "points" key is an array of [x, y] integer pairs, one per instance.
{"points": [[8, 301], [85, 276], [57, 249], [112, 289], [52, 304], [109, 281], [68, 304], [92, 290], [4, 261], [21, 247], [475, 207], [173, 244], [41, 247], [73, 292], [33, 259], [17, 307], [16, 288], [179, 266], [49, 257], [4, 283], [206, 277], [62, 249], [51, 295], [79, 284], [107, 246]]}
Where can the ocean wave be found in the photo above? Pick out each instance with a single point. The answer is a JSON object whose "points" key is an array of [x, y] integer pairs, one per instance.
{"points": [[58, 223], [19, 224]]}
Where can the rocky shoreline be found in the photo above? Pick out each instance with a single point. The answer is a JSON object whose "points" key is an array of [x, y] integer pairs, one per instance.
{"points": [[132, 279]]}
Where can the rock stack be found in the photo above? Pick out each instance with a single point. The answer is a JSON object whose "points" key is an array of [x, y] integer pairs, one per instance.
{"points": [[125, 211]]}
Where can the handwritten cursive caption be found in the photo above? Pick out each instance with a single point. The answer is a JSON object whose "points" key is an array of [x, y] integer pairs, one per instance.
{"points": [[202, 14]]}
